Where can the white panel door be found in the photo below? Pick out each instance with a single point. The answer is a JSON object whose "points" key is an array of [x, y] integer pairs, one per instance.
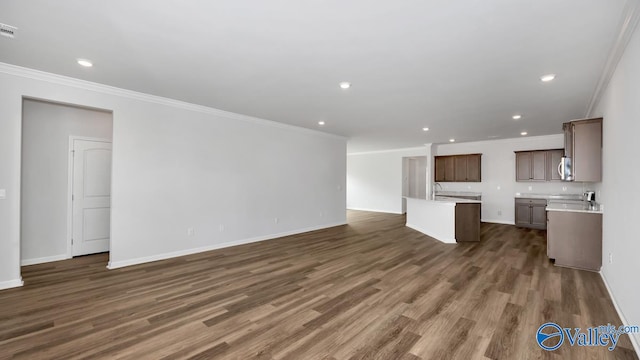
{"points": [[91, 197]]}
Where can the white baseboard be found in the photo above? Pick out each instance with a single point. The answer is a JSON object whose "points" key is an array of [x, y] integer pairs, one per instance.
{"points": [[43, 260], [437, 237], [632, 337], [146, 259], [505, 222], [11, 284], [375, 210]]}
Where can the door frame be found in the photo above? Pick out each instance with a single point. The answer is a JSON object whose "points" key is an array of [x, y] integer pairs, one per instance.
{"points": [[72, 138]]}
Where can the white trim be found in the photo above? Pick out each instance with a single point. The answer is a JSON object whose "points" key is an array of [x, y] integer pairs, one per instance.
{"points": [[43, 260], [146, 259], [375, 210], [11, 284], [72, 138], [630, 19], [390, 150], [505, 222], [436, 237], [634, 340], [111, 90]]}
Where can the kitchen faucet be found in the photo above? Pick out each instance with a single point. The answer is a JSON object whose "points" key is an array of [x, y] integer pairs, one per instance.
{"points": [[433, 192]]}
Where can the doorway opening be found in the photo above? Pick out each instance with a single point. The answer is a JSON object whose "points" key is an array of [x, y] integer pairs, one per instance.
{"points": [[414, 179], [65, 181]]}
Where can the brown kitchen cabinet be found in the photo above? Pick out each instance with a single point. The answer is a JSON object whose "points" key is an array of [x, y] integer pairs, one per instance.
{"points": [[458, 168], [467, 222], [574, 239], [531, 166], [538, 165], [553, 161], [583, 144], [531, 213], [444, 169]]}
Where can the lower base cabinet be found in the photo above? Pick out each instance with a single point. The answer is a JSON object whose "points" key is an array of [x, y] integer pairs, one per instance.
{"points": [[574, 239], [467, 222], [531, 213]]}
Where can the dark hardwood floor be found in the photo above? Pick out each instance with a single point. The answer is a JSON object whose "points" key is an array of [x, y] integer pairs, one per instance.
{"points": [[371, 290]]}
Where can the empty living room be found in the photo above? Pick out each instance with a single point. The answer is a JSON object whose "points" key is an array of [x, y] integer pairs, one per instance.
{"points": [[319, 180]]}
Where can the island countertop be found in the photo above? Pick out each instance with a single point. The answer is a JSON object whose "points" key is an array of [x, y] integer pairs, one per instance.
{"points": [[448, 199]]}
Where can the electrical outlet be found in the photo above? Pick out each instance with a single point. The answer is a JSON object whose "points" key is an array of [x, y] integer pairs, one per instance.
{"points": [[276, 220], [190, 231], [610, 258], [564, 188], [530, 188], [499, 212]]}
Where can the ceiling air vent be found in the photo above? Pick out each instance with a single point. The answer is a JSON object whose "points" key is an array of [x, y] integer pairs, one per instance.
{"points": [[8, 30]]}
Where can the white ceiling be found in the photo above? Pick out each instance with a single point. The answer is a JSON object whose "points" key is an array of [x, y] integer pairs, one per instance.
{"points": [[462, 68]]}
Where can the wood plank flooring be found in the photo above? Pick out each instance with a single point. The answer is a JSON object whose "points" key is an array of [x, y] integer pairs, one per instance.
{"points": [[373, 289]]}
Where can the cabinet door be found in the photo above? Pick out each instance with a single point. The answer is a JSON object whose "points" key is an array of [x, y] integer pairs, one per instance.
{"points": [[587, 150], [449, 168], [439, 169], [553, 160], [539, 216], [538, 165], [474, 168], [554, 233], [523, 166], [523, 213], [460, 168], [568, 139], [575, 239]]}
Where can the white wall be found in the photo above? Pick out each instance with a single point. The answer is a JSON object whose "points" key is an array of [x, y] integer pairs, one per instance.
{"points": [[46, 129], [498, 170], [177, 165], [374, 179], [620, 108]]}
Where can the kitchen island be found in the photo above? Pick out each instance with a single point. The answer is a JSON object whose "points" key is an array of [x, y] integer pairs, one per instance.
{"points": [[446, 219]]}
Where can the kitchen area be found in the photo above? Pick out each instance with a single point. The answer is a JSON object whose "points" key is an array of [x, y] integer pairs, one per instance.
{"points": [[554, 189]]}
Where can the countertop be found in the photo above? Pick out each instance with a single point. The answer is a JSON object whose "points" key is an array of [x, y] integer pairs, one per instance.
{"points": [[455, 200], [549, 196], [574, 206], [459, 193], [447, 200]]}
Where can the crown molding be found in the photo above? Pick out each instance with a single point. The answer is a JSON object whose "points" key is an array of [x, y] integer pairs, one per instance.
{"points": [[630, 19], [135, 95], [419, 148]]}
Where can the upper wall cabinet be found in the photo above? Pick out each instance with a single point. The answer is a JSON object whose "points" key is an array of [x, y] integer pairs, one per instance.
{"points": [[583, 144], [538, 165], [458, 168]]}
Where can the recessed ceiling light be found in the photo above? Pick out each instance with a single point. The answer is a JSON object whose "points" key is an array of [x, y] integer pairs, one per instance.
{"points": [[548, 77], [452, 140], [345, 85], [425, 129], [517, 117], [523, 133], [320, 123], [85, 62]]}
